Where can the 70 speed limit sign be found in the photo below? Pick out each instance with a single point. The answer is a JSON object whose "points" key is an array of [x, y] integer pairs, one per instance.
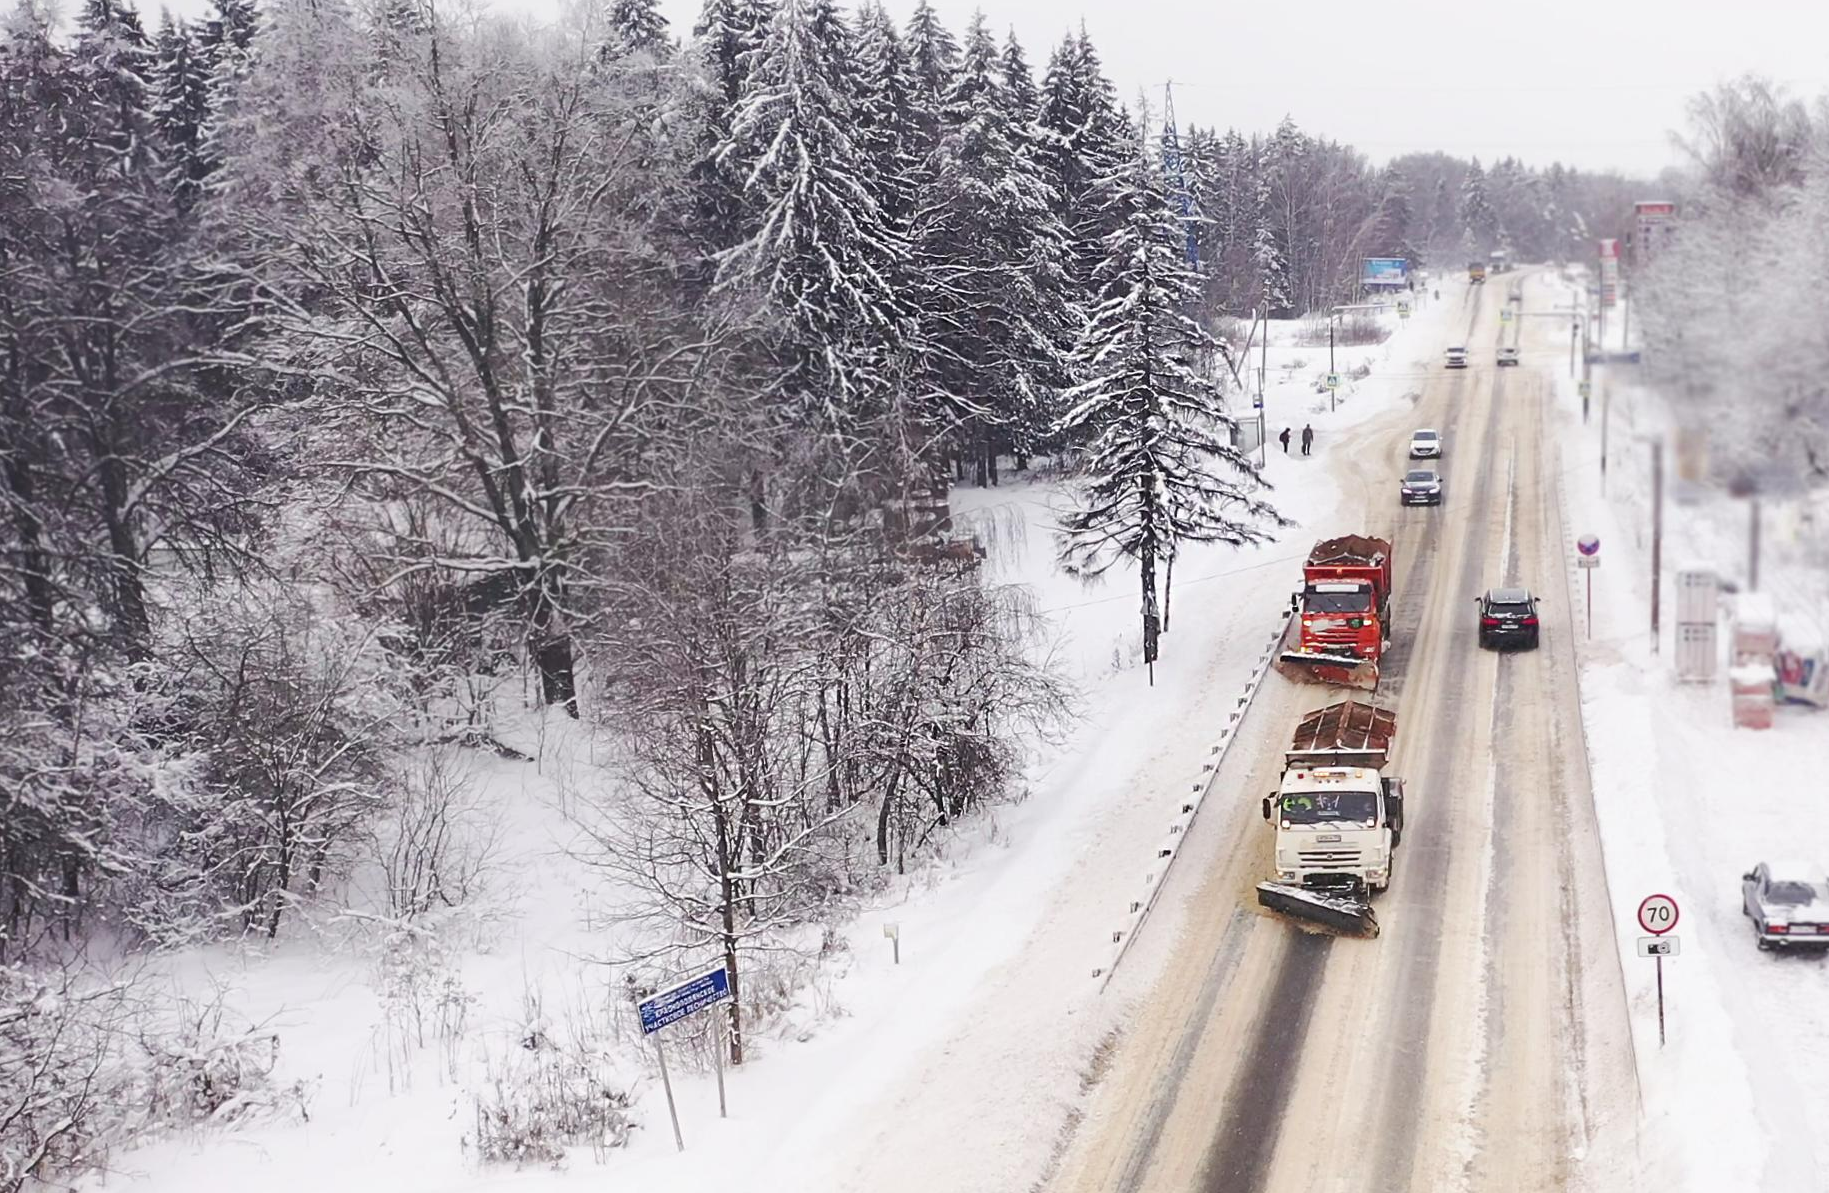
{"points": [[1657, 914]]}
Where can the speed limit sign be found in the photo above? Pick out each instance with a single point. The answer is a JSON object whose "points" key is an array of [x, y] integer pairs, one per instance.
{"points": [[1657, 914]]}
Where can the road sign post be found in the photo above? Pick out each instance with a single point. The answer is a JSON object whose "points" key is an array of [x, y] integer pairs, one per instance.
{"points": [[1588, 558], [670, 1006], [1658, 914]]}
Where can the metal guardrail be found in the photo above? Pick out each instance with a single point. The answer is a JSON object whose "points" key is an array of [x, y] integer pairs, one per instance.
{"points": [[1170, 848]]}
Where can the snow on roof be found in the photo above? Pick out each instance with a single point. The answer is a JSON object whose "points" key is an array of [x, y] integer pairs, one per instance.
{"points": [[1749, 674], [1800, 635], [1794, 871], [1756, 609]]}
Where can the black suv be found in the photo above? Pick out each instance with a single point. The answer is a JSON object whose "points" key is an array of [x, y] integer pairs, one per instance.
{"points": [[1508, 617]]}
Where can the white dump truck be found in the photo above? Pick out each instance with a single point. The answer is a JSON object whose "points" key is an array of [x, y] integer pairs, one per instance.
{"points": [[1338, 818]]}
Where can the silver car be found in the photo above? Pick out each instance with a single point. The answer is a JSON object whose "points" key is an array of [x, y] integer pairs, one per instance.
{"points": [[1788, 904]]}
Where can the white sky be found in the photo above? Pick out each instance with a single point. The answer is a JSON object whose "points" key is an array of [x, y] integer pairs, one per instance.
{"points": [[1593, 83]]}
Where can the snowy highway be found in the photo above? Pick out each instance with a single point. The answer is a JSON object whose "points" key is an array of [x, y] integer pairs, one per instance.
{"points": [[1483, 1035]]}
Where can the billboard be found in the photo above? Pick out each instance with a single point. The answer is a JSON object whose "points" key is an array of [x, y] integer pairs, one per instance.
{"points": [[1655, 221], [1384, 271], [1609, 272]]}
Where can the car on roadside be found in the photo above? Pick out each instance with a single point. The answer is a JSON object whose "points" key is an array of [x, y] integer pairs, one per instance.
{"points": [[1457, 358], [1425, 444], [1420, 486], [1508, 617], [1788, 903], [1508, 356]]}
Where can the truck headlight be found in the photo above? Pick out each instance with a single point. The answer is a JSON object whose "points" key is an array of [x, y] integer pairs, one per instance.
{"points": [[1377, 875], [1286, 875]]}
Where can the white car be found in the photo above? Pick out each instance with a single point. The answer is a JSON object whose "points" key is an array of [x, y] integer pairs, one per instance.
{"points": [[1425, 444], [1508, 356], [1457, 358]]}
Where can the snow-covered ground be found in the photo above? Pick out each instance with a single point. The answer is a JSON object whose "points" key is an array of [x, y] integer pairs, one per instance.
{"points": [[878, 1073], [1738, 1096]]}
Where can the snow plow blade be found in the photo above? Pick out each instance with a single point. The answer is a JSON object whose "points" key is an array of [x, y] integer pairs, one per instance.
{"points": [[1340, 915], [1345, 671]]}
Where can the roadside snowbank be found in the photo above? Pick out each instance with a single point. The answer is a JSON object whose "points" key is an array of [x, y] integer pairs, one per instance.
{"points": [[1738, 1097]]}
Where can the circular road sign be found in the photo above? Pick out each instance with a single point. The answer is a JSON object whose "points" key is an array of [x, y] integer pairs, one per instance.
{"points": [[1588, 544], [1657, 914]]}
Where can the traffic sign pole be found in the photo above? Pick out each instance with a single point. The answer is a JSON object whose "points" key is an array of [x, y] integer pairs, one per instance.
{"points": [[717, 1056], [1658, 914], [667, 1084], [1660, 960]]}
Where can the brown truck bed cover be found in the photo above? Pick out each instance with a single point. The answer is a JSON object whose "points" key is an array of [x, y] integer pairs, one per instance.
{"points": [[1346, 733], [1350, 550]]}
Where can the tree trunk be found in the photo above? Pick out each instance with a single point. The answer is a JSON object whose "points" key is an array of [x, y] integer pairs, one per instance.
{"points": [[129, 592]]}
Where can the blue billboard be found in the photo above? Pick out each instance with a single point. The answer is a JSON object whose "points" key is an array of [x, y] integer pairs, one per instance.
{"points": [[1384, 271]]}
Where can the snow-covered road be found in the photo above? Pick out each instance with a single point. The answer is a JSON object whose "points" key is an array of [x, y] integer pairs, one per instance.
{"points": [[1481, 1036]]}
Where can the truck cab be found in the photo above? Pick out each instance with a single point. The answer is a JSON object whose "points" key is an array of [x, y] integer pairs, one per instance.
{"points": [[1342, 617], [1336, 827]]}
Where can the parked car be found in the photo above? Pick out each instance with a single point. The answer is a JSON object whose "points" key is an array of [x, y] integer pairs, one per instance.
{"points": [[1788, 904], [1508, 356], [1457, 358], [1508, 617], [1425, 444], [1420, 486]]}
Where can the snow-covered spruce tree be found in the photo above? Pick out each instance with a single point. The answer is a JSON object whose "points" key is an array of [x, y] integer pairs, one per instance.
{"points": [[816, 245], [885, 113], [933, 57], [636, 27], [1479, 225], [1157, 471], [181, 108], [1390, 232], [723, 41], [1271, 291], [1084, 134], [998, 323]]}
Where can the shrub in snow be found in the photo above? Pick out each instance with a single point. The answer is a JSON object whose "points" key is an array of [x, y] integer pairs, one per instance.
{"points": [[548, 1092], [206, 1067], [61, 1090]]}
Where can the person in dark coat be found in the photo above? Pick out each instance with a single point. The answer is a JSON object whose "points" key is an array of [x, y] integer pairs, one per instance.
{"points": [[1285, 438], [1308, 439]]}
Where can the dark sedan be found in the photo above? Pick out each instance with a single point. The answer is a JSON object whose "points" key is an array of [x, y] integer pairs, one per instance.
{"points": [[1420, 486], [1508, 617]]}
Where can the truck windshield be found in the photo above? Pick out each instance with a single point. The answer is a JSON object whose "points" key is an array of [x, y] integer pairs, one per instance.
{"points": [[1316, 807], [1337, 602]]}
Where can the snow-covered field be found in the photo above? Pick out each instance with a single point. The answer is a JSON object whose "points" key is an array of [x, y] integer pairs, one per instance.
{"points": [[955, 1069], [1738, 1096]]}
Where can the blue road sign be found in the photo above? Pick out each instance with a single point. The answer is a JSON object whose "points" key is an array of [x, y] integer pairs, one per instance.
{"points": [[687, 998], [1384, 271]]}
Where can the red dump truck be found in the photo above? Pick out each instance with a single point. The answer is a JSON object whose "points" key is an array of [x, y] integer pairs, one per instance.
{"points": [[1343, 613]]}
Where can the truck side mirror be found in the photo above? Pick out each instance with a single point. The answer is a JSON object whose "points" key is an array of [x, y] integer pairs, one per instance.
{"points": [[1747, 877], [1267, 813]]}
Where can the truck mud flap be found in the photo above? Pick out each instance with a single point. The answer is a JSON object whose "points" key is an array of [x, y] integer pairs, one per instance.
{"points": [[1340, 915]]}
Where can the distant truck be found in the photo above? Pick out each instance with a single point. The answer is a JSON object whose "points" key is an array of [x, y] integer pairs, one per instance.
{"points": [[1476, 271], [1343, 613], [1338, 818], [1501, 261]]}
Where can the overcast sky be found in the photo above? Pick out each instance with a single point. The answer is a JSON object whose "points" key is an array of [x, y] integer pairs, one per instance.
{"points": [[1597, 84], [1593, 83]]}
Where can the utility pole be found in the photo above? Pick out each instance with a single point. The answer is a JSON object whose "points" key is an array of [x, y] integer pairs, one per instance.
{"points": [[1605, 395], [1574, 334], [1332, 389], [1657, 531], [1752, 544]]}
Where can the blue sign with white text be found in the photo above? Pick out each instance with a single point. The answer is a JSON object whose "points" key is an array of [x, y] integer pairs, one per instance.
{"points": [[687, 998], [1384, 271]]}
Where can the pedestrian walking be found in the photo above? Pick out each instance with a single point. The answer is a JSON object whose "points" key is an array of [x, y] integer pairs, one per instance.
{"points": [[1308, 439], [1285, 438]]}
